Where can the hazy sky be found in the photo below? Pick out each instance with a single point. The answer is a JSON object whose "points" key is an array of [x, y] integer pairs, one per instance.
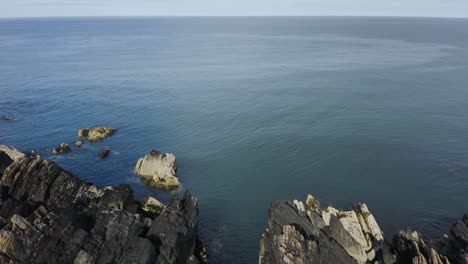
{"points": [[34, 8]]}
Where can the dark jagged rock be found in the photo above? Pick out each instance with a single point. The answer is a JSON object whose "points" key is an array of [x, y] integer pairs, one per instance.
{"points": [[175, 230], [48, 215], [5, 161], [296, 234], [410, 248], [452, 248]]}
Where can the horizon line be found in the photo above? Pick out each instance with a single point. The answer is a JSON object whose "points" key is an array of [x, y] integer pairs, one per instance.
{"points": [[231, 16]]}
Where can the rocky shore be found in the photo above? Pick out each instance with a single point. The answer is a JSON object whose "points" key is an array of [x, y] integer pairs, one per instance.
{"points": [[48, 215], [298, 233]]}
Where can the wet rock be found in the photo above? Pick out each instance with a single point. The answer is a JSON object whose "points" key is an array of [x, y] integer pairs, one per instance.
{"points": [[34, 152], [97, 133], [79, 143], [63, 148], [12, 152], [7, 118], [50, 216], [104, 153], [160, 169]]}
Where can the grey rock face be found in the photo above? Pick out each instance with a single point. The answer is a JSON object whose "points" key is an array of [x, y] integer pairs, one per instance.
{"points": [[296, 234], [293, 237], [50, 216]]}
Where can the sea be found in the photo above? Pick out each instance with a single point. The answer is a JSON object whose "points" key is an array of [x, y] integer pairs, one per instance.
{"points": [[256, 109]]}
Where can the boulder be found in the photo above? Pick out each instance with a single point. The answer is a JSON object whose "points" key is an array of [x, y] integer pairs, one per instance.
{"points": [[79, 143], [96, 133], [50, 216], [160, 169], [63, 148]]}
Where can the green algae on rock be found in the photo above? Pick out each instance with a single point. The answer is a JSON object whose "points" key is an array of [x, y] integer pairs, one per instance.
{"points": [[96, 133]]}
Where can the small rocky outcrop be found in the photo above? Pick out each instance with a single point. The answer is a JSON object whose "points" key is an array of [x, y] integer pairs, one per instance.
{"points": [[7, 118], [311, 234], [300, 234], [451, 248], [160, 169], [410, 248], [104, 153], [79, 143], [48, 215], [12, 152], [455, 244], [97, 133], [63, 148]]}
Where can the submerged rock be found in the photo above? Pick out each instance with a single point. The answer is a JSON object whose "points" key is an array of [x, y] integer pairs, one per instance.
{"points": [[50, 216], [63, 148], [79, 143], [160, 169], [7, 118], [97, 133], [104, 154]]}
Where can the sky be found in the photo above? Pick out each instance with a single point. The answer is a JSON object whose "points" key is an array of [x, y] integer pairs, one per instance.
{"points": [[46, 8]]}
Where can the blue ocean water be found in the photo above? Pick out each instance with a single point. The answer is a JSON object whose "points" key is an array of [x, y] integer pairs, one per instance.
{"points": [[255, 109]]}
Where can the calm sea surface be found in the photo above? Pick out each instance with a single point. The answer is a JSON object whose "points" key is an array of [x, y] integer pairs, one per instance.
{"points": [[255, 109]]}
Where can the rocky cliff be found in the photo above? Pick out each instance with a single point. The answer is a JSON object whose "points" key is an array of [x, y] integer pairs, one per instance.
{"points": [[309, 234], [47, 215]]}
